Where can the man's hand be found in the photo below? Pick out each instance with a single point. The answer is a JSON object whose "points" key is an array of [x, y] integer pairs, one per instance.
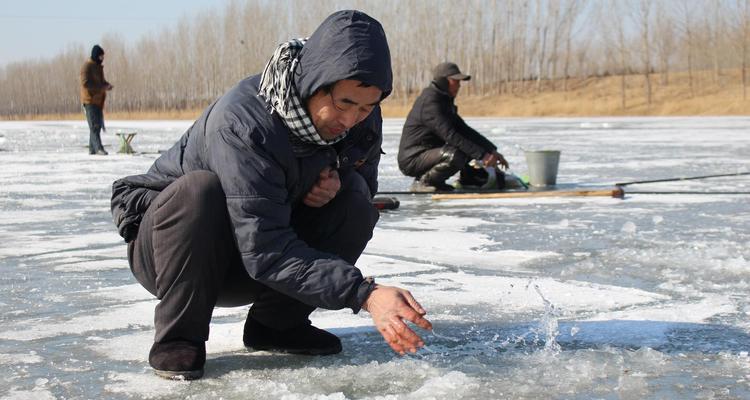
{"points": [[493, 158], [389, 306], [324, 190]]}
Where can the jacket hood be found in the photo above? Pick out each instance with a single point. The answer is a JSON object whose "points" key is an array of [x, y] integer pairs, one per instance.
{"points": [[441, 84], [347, 45], [96, 51]]}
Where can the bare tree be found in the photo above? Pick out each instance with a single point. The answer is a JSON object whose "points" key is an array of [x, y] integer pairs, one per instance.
{"points": [[664, 41], [685, 10], [617, 44], [642, 17], [510, 46], [740, 23]]}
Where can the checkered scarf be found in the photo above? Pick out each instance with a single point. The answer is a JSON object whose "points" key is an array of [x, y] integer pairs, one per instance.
{"points": [[277, 89]]}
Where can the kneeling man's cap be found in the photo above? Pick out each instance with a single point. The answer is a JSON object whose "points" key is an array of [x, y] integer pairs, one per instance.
{"points": [[449, 70]]}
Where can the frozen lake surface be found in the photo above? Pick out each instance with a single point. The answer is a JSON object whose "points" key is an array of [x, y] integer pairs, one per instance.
{"points": [[550, 298]]}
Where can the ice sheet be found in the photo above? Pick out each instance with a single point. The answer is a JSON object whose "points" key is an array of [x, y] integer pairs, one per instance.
{"points": [[644, 297]]}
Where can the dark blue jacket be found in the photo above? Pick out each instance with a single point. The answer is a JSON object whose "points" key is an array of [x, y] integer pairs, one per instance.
{"points": [[265, 172]]}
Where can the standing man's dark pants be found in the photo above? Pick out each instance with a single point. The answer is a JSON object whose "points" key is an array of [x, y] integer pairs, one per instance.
{"points": [[185, 254], [95, 118]]}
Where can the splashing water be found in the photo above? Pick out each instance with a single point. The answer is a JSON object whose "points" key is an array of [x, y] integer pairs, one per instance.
{"points": [[452, 339], [549, 324]]}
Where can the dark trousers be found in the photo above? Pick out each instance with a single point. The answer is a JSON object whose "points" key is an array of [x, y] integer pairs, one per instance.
{"points": [[185, 254], [437, 165], [95, 118]]}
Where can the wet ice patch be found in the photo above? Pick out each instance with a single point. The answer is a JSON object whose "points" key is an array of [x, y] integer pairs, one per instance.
{"points": [[436, 222], [92, 265], [375, 265], [120, 317], [629, 228], [38, 393], [32, 357], [678, 200], [130, 347], [39, 244], [696, 311], [145, 385], [125, 293], [26, 216], [462, 249], [509, 295]]}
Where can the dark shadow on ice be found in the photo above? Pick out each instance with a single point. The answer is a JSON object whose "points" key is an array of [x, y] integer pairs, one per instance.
{"points": [[451, 341], [666, 337]]}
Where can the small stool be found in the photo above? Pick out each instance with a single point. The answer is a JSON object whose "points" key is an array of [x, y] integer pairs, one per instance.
{"points": [[125, 139]]}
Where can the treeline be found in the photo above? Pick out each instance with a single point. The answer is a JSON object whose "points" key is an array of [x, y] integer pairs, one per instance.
{"points": [[509, 46]]}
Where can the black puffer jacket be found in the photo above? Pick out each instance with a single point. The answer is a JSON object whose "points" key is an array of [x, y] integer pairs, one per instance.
{"points": [[434, 122], [265, 172]]}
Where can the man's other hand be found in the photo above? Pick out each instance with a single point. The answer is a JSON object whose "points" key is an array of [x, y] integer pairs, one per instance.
{"points": [[324, 190], [389, 306], [494, 158]]}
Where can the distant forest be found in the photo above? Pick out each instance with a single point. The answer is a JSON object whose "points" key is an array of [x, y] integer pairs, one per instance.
{"points": [[510, 47]]}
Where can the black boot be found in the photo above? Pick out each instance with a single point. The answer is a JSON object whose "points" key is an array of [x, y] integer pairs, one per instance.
{"points": [[451, 161], [420, 187], [427, 184], [303, 339], [178, 359]]}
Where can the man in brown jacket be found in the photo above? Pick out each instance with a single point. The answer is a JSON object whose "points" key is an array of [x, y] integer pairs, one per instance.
{"points": [[93, 93]]}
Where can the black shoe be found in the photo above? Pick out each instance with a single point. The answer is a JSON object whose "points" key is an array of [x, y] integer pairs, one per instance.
{"points": [[101, 152], [178, 360], [304, 339]]}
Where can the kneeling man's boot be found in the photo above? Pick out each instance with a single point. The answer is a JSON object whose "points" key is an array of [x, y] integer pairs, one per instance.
{"points": [[450, 162], [178, 359], [303, 339], [421, 187]]}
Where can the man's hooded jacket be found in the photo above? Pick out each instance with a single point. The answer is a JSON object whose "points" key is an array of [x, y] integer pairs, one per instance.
{"points": [[93, 84], [265, 173]]}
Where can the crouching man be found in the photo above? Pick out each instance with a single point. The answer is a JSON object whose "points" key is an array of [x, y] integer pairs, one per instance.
{"points": [[436, 142], [266, 200]]}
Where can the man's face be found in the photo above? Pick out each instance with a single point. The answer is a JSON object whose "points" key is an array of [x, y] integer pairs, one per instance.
{"points": [[347, 104], [453, 86]]}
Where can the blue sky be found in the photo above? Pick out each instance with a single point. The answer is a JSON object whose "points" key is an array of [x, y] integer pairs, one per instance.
{"points": [[32, 29]]}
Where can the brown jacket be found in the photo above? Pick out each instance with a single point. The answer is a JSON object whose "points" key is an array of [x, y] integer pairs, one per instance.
{"points": [[93, 84]]}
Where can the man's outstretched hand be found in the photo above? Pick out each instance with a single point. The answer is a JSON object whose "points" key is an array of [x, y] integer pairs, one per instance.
{"points": [[324, 190], [389, 306], [494, 158]]}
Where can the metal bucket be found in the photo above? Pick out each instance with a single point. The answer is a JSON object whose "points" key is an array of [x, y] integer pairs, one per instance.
{"points": [[542, 166]]}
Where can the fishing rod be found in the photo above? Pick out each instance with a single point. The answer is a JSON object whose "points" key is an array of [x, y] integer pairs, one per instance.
{"points": [[687, 178], [685, 192], [618, 185]]}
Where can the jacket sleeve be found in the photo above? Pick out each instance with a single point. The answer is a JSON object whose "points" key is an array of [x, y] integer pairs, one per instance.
{"points": [[443, 120], [260, 211], [369, 170], [131, 197]]}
